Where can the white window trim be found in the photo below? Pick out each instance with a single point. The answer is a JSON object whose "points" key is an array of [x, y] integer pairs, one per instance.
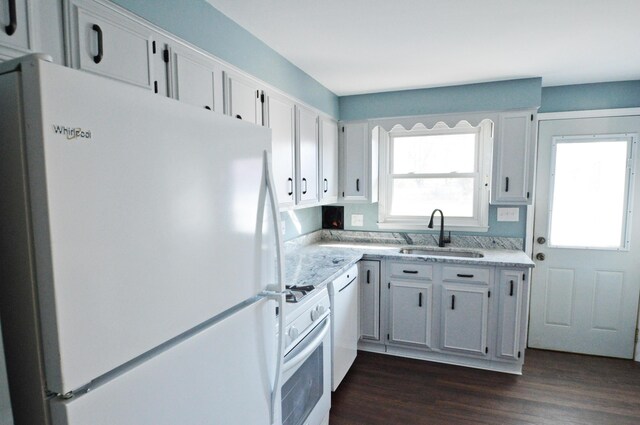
{"points": [[480, 222]]}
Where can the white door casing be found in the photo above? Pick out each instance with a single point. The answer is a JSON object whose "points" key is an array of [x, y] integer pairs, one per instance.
{"points": [[584, 299]]}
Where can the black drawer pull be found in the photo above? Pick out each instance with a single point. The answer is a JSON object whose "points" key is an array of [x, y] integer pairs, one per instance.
{"points": [[304, 192], [13, 19], [511, 290], [97, 58], [326, 185], [368, 276], [290, 186], [207, 107], [357, 185], [239, 116], [453, 302], [420, 299], [506, 189], [464, 275], [410, 271]]}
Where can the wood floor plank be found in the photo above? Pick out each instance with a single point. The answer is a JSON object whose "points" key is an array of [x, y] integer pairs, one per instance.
{"points": [[555, 388]]}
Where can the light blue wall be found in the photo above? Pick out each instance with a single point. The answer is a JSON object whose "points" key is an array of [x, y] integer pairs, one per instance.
{"points": [[582, 97], [301, 222], [503, 228], [199, 23], [495, 96]]}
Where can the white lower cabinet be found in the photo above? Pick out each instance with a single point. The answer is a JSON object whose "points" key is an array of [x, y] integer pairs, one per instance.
{"points": [[464, 319], [369, 274], [463, 314], [410, 311]]}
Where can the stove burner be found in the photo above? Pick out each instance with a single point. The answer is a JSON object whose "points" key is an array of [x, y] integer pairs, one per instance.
{"points": [[297, 293]]}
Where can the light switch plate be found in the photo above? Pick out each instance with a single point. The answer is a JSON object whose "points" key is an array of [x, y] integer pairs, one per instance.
{"points": [[508, 214], [357, 220]]}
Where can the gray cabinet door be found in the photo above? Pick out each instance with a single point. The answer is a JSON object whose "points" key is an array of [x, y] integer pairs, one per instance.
{"points": [[410, 313], [464, 317], [509, 312], [14, 27], [242, 97], [329, 160], [280, 118], [355, 155], [513, 166], [107, 43], [195, 78], [370, 300], [307, 152]]}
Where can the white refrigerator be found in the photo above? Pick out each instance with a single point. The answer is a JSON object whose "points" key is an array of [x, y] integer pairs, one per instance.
{"points": [[141, 259]]}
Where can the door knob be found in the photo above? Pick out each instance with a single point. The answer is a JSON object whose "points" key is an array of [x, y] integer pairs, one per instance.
{"points": [[540, 256], [541, 240]]}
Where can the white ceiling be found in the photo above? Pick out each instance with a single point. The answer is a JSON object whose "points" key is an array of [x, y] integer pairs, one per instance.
{"points": [[364, 46]]}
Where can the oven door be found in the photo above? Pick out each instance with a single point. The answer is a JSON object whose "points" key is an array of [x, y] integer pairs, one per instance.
{"points": [[306, 387]]}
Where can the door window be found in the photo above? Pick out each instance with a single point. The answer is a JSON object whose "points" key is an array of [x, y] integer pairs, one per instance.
{"points": [[590, 191]]}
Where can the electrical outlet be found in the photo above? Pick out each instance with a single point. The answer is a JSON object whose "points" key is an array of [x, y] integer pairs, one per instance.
{"points": [[357, 220], [508, 214]]}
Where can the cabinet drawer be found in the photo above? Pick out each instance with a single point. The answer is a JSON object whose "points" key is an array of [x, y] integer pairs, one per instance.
{"points": [[413, 271], [466, 274]]}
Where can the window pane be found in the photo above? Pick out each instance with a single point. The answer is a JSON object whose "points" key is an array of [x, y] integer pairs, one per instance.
{"points": [[418, 197], [589, 194], [444, 153]]}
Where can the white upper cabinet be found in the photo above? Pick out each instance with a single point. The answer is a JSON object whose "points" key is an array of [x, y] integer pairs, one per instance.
{"points": [[242, 97], [197, 79], [280, 118], [358, 162], [307, 155], [514, 154], [15, 31], [106, 42], [328, 160]]}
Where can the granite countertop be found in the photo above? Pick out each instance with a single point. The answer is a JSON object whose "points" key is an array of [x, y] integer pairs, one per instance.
{"points": [[320, 262]]}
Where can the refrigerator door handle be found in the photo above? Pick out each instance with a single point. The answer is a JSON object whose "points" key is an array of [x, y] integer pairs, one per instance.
{"points": [[280, 285]]}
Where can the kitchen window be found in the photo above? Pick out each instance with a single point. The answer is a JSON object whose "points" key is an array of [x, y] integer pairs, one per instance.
{"points": [[446, 168]]}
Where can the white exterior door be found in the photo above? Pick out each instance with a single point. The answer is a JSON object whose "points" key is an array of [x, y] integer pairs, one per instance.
{"points": [[584, 295]]}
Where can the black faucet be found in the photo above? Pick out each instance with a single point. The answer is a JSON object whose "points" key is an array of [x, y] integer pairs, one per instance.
{"points": [[441, 240]]}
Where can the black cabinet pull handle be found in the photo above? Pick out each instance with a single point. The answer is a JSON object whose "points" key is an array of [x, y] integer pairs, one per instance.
{"points": [[207, 107], [239, 116], [13, 20], [410, 271], [420, 299], [305, 186], [511, 290], [368, 276], [357, 185], [464, 275], [326, 185], [453, 302], [97, 58], [290, 186], [506, 189]]}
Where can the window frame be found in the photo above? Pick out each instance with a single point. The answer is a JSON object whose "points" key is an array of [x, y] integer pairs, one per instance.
{"points": [[479, 222]]}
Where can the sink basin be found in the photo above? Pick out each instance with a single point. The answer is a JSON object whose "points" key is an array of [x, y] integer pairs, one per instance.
{"points": [[441, 252]]}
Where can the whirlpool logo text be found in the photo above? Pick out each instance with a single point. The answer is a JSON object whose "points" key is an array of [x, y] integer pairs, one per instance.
{"points": [[72, 133]]}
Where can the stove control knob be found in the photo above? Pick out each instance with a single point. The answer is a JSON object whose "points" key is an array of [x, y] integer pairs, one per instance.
{"points": [[293, 332], [314, 315], [320, 309]]}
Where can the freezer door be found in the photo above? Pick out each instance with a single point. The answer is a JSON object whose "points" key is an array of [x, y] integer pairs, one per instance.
{"points": [[148, 218], [221, 376]]}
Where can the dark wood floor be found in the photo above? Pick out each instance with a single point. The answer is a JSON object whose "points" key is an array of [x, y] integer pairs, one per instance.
{"points": [[555, 388]]}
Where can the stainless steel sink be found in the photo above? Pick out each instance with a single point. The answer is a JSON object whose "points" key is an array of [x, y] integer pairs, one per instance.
{"points": [[441, 252]]}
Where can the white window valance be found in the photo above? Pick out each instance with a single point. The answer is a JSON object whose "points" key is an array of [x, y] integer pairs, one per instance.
{"points": [[429, 121]]}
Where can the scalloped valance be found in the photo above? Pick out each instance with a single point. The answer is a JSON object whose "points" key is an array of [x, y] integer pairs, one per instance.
{"points": [[429, 121]]}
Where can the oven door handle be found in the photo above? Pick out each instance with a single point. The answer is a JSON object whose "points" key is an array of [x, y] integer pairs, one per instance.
{"points": [[310, 348]]}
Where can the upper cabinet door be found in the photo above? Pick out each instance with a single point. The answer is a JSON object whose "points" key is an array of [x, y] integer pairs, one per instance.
{"points": [[243, 97], [514, 153], [307, 155], [14, 27], [195, 78], [358, 162], [108, 43], [329, 161], [280, 118]]}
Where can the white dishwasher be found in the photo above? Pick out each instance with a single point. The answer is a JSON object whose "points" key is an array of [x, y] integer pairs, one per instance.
{"points": [[343, 292]]}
